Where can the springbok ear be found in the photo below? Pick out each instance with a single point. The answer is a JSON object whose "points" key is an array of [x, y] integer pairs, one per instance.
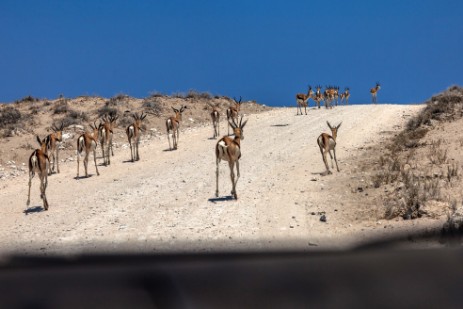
{"points": [[38, 140], [244, 123], [329, 125], [339, 125], [183, 108]]}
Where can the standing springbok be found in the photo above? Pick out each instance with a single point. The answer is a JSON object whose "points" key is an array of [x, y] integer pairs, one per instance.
{"points": [[229, 149], [88, 142], [330, 96], [106, 137], [327, 143], [40, 164], [52, 141], [173, 125], [374, 92], [345, 96], [303, 100], [318, 96], [215, 116], [232, 112], [134, 133]]}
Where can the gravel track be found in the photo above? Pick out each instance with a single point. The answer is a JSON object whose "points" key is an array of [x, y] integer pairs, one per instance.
{"points": [[165, 202]]}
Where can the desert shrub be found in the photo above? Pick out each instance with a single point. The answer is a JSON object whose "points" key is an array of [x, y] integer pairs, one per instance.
{"points": [[436, 154], [411, 197], [117, 100], [453, 227], [27, 99], [193, 94], [153, 105], [125, 120], [452, 171], [61, 107], [107, 110], [9, 115], [407, 139], [431, 189], [156, 94], [34, 109], [74, 117]]}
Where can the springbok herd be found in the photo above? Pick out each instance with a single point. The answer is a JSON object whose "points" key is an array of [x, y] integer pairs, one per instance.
{"points": [[330, 96], [227, 148]]}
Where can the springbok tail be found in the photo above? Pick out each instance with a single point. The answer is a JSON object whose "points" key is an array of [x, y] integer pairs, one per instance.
{"points": [[80, 144]]}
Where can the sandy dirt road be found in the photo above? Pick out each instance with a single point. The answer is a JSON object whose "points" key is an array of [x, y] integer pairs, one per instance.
{"points": [[165, 202]]}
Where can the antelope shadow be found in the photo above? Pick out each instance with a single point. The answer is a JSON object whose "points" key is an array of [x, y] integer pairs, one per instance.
{"points": [[34, 209]]}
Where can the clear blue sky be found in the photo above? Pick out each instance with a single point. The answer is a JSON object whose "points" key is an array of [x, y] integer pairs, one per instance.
{"points": [[260, 50]]}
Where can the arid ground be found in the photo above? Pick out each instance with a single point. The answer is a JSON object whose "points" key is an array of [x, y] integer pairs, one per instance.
{"points": [[166, 201]]}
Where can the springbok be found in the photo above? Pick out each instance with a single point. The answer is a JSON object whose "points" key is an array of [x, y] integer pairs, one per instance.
{"points": [[134, 133], [172, 125], [40, 164], [52, 141], [345, 96], [318, 96], [330, 96], [106, 137], [327, 143], [336, 95], [303, 100], [229, 150], [374, 92], [215, 116], [88, 142], [232, 112]]}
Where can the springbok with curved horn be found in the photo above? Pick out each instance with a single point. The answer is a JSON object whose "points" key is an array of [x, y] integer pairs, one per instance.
{"points": [[303, 100], [327, 143], [40, 164], [53, 141], [232, 112], [374, 92], [173, 125], [88, 142], [106, 137], [215, 116], [134, 133], [229, 150]]}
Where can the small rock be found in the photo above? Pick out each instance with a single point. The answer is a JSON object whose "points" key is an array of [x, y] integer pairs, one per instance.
{"points": [[323, 218]]}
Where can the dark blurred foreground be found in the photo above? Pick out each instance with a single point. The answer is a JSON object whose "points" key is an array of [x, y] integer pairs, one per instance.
{"points": [[366, 277]]}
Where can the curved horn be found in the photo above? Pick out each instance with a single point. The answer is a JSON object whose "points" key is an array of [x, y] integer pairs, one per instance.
{"points": [[237, 102]]}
